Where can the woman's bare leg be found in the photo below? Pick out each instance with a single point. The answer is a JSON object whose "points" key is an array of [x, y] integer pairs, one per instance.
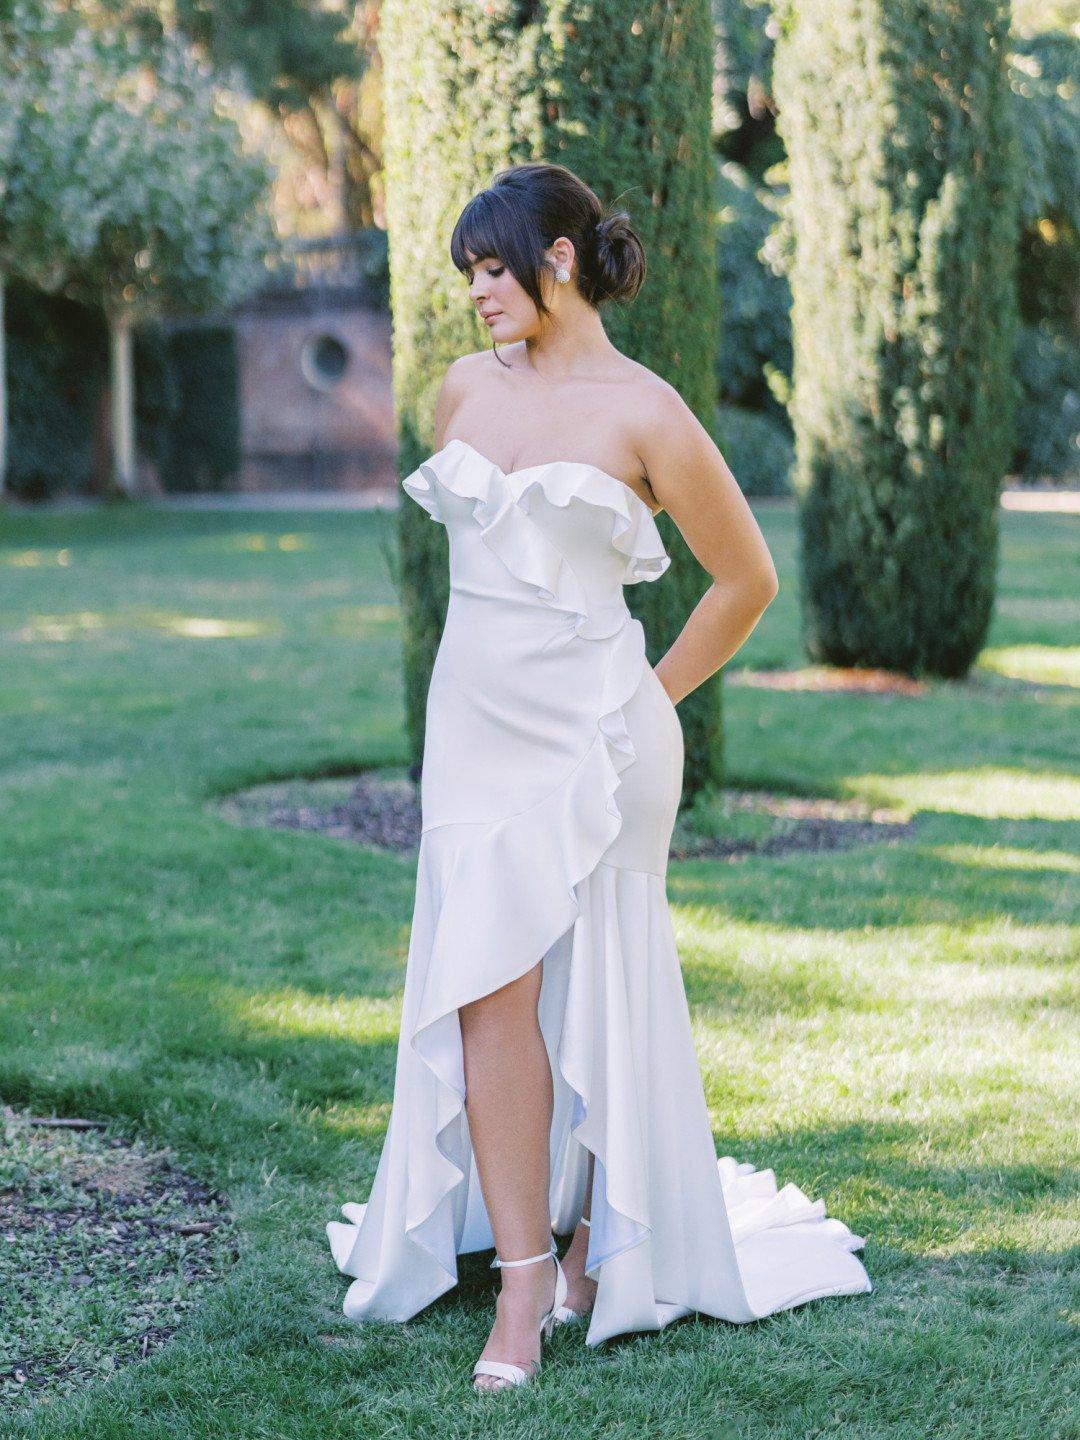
{"points": [[508, 1102], [581, 1290]]}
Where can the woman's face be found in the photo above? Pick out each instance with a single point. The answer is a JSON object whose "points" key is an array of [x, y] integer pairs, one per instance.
{"points": [[504, 307]]}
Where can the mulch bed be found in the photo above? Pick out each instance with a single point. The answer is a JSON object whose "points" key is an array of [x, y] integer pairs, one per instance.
{"points": [[854, 680], [105, 1245], [383, 809], [864, 680], [792, 822]]}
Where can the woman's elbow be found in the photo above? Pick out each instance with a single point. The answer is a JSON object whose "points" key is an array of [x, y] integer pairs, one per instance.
{"points": [[768, 586]]}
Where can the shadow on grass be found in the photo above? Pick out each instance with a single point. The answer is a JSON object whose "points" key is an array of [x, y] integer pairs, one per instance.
{"points": [[901, 1209], [897, 884], [904, 1208]]}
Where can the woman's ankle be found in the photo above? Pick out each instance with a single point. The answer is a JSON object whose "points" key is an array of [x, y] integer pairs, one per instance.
{"points": [[530, 1285], [578, 1249]]}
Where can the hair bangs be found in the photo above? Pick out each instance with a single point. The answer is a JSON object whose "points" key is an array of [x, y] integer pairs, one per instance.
{"points": [[486, 230]]}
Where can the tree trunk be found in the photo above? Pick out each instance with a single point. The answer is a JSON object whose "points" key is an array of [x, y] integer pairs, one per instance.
{"points": [[122, 387]]}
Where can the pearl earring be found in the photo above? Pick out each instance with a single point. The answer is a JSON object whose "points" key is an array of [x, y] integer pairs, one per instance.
{"points": [[562, 274]]}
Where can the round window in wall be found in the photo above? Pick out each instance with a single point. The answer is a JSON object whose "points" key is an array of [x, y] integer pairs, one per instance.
{"points": [[323, 360]]}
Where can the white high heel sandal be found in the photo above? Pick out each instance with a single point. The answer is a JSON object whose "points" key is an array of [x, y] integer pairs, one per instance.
{"points": [[565, 1315], [504, 1370]]}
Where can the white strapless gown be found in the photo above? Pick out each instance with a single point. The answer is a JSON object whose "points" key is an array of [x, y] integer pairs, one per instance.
{"points": [[551, 776]]}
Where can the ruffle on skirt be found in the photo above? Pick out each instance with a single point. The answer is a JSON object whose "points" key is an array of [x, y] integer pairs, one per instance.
{"points": [[674, 1230]]}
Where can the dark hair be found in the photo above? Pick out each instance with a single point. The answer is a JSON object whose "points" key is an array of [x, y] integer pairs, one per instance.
{"points": [[526, 209]]}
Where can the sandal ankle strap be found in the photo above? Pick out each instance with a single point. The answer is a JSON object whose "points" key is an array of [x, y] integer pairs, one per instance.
{"points": [[498, 1264], [585, 1220]]}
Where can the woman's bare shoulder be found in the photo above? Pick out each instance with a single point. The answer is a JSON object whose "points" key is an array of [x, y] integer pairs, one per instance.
{"points": [[480, 360], [651, 401], [649, 384], [464, 378]]}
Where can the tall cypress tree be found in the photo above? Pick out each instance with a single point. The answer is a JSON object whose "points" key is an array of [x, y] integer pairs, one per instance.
{"points": [[621, 98], [896, 115]]}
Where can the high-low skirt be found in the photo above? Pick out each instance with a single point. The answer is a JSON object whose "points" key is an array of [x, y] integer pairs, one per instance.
{"points": [[552, 774]]}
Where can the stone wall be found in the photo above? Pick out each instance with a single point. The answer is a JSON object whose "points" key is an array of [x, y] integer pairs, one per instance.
{"points": [[316, 399]]}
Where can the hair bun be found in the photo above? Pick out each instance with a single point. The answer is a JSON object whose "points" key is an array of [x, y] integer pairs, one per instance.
{"points": [[620, 258]]}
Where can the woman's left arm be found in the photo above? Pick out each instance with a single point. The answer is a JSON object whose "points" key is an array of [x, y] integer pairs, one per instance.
{"points": [[691, 480]]}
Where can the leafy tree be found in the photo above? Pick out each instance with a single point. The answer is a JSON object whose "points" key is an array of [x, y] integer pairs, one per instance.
{"points": [[1044, 70], [899, 126], [281, 51], [755, 339], [310, 66], [128, 188], [16, 20], [286, 50], [306, 62], [744, 119]]}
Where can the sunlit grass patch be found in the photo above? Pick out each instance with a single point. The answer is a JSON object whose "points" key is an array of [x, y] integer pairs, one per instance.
{"points": [[258, 542], [61, 627], [356, 1121], [83, 624], [297, 1012], [1039, 664], [1004, 857], [992, 792], [26, 559], [206, 627]]}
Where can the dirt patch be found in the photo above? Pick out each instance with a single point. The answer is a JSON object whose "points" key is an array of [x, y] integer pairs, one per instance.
{"points": [[830, 679], [377, 807], [737, 823], [105, 1245], [382, 808], [849, 681]]}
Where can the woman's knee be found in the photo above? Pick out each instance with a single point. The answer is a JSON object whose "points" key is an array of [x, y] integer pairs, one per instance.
{"points": [[512, 1004]]}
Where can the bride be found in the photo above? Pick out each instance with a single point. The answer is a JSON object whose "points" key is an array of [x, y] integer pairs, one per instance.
{"points": [[546, 1077]]}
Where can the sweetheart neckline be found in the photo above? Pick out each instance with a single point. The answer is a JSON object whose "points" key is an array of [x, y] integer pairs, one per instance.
{"points": [[547, 465]]}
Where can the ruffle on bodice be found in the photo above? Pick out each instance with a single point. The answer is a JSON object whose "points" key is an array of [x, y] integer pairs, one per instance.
{"points": [[506, 508]]}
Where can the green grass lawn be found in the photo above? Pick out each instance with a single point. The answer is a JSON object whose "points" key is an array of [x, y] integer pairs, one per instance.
{"points": [[889, 1027]]}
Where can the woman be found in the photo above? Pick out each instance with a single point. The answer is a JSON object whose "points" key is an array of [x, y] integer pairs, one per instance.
{"points": [[546, 1076]]}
